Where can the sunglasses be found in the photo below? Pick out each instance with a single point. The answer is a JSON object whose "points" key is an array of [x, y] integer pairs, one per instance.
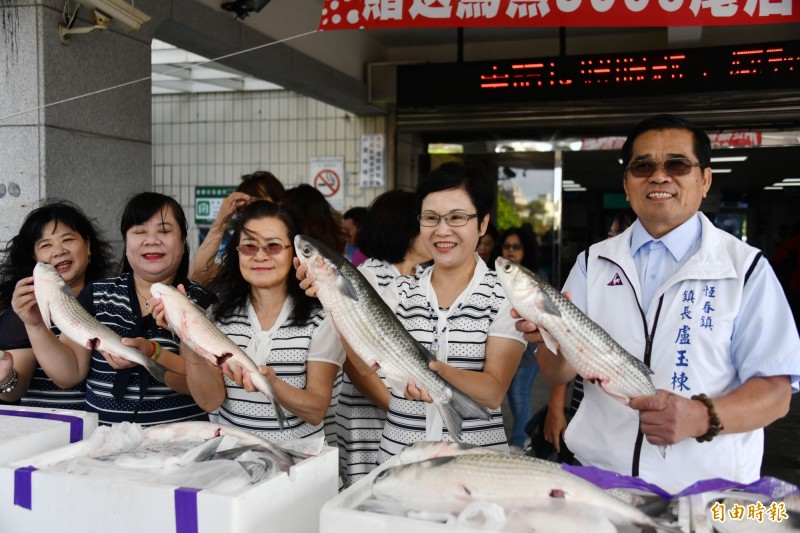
{"points": [[673, 167], [270, 248], [512, 246]]}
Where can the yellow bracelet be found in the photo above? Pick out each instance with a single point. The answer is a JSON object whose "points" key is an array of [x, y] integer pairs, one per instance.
{"points": [[156, 351]]}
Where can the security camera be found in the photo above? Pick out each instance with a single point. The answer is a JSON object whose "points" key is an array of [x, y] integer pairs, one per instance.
{"points": [[119, 11]]}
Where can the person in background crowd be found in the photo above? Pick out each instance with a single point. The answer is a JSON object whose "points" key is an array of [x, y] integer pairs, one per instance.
{"points": [[487, 245], [715, 326], [457, 309], [263, 310], [520, 246], [352, 223], [316, 218], [260, 185], [390, 237], [60, 234], [556, 419], [154, 228]]}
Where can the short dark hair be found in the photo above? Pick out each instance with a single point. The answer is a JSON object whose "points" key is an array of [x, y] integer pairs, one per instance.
{"points": [[390, 227], [139, 209], [454, 175], [357, 215], [701, 144], [262, 184], [230, 286], [19, 257], [315, 216]]}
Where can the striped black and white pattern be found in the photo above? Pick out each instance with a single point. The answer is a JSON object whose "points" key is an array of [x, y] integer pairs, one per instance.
{"points": [[290, 351], [114, 303]]}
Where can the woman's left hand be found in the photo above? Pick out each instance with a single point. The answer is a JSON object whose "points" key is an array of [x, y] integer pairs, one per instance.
{"points": [[419, 394]]}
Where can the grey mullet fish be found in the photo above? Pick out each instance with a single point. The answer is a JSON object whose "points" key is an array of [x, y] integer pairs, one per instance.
{"points": [[376, 335], [190, 323], [58, 306], [449, 484], [567, 330]]}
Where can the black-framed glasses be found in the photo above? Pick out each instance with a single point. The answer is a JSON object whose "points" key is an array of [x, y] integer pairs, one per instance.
{"points": [[452, 219], [270, 248], [675, 167]]}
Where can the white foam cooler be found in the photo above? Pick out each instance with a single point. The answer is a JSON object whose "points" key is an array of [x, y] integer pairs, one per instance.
{"points": [[40, 500], [26, 431]]}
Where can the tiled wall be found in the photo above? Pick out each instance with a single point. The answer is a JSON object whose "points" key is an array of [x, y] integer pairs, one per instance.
{"points": [[214, 138]]}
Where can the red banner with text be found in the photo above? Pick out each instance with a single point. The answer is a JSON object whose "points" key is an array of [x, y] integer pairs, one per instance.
{"points": [[374, 14]]}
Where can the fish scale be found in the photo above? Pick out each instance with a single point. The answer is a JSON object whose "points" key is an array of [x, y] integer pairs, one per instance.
{"points": [[566, 329], [376, 335], [451, 483]]}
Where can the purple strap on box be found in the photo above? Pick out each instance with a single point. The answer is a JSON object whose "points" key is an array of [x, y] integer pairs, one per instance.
{"points": [[22, 486], [767, 486], [186, 510], [75, 422]]}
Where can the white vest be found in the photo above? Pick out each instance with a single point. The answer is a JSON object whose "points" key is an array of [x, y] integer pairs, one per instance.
{"points": [[691, 322]]}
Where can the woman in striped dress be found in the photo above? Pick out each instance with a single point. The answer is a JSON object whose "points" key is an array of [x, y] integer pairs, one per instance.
{"points": [[154, 229], [60, 234], [458, 310], [389, 238], [263, 310]]}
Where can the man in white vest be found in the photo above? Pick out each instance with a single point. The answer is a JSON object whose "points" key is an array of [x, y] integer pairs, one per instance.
{"points": [[701, 308]]}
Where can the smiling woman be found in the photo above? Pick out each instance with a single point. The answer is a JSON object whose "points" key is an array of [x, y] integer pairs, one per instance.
{"points": [[263, 310], [62, 235], [154, 229], [458, 310]]}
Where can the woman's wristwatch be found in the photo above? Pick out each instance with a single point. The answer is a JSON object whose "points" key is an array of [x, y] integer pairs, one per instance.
{"points": [[9, 385]]}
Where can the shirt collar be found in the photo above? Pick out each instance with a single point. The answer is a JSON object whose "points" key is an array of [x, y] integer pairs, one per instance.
{"points": [[677, 241]]}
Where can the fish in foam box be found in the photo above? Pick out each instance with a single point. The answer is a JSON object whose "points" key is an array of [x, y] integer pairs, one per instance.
{"points": [[26, 431], [34, 499]]}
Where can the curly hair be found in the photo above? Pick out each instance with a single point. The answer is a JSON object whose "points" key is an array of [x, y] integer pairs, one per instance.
{"points": [[19, 257], [229, 285]]}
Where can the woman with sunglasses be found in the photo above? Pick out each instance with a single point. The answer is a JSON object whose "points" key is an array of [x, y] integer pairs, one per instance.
{"points": [[520, 246], [153, 228], [263, 310], [458, 310], [60, 234]]}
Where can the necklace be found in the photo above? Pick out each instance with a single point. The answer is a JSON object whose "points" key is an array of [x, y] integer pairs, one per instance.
{"points": [[143, 298]]}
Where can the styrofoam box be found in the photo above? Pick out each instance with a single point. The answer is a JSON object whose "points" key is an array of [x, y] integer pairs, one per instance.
{"points": [[26, 431], [70, 503], [339, 515]]}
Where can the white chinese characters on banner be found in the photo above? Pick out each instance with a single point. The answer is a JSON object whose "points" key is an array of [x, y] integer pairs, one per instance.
{"points": [[373, 149], [326, 174]]}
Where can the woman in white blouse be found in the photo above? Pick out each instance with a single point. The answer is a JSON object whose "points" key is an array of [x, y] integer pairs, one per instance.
{"points": [[264, 311]]}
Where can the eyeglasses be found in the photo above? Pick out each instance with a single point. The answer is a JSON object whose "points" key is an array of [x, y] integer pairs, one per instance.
{"points": [[673, 167], [512, 246], [270, 248], [452, 219]]}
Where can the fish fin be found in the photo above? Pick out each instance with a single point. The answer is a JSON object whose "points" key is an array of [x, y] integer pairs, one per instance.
{"points": [[457, 409], [346, 288], [279, 412], [549, 341], [663, 451], [44, 309], [547, 305], [398, 384], [156, 370]]}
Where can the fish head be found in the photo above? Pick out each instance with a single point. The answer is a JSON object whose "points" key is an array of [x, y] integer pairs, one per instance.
{"points": [[393, 482], [47, 273], [162, 291], [322, 262], [517, 281]]}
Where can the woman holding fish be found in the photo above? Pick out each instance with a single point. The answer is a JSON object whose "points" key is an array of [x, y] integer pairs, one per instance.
{"points": [[62, 235], [455, 310], [263, 310], [154, 228]]}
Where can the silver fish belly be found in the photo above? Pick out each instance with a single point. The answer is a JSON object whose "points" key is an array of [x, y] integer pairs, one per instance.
{"points": [[585, 345], [376, 335], [451, 483], [190, 323], [58, 306]]}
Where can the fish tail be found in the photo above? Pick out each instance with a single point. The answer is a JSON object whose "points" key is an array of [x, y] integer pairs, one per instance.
{"points": [[156, 370], [457, 409], [278, 412]]}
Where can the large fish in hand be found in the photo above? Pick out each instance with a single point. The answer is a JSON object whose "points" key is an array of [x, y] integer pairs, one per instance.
{"points": [[190, 323], [567, 330], [58, 306], [376, 335]]}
